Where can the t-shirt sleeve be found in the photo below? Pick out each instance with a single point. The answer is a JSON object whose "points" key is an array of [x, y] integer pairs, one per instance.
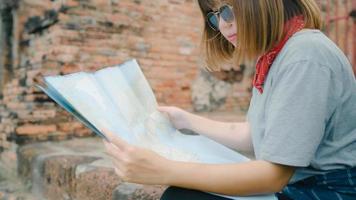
{"points": [[297, 113]]}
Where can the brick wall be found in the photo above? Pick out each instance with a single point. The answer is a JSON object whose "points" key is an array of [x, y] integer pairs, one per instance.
{"points": [[62, 36], [340, 25]]}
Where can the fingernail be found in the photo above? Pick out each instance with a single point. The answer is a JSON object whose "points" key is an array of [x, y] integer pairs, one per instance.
{"points": [[107, 144]]}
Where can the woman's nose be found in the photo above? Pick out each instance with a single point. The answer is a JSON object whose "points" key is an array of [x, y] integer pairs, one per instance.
{"points": [[223, 24]]}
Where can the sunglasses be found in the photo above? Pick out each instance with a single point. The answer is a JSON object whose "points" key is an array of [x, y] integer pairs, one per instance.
{"points": [[225, 12]]}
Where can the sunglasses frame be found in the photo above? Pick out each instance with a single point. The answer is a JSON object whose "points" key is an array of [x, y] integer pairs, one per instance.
{"points": [[217, 15]]}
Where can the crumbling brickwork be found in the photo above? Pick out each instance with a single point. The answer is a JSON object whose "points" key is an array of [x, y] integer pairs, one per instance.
{"points": [[60, 37], [51, 37], [340, 25]]}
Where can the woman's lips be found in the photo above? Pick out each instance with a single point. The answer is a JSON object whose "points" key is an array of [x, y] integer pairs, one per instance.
{"points": [[232, 37]]}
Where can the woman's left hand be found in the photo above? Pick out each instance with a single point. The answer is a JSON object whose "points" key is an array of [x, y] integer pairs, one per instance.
{"points": [[137, 165]]}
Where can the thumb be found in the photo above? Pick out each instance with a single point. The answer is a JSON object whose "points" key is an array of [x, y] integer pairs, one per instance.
{"points": [[163, 108]]}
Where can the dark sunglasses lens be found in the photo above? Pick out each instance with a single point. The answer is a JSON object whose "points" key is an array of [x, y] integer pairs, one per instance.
{"points": [[227, 14], [213, 21]]}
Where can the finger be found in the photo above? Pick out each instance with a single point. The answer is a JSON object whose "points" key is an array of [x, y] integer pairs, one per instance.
{"points": [[121, 175], [165, 111], [117, 141], [163, 108], [112, 150], [118, 164]]}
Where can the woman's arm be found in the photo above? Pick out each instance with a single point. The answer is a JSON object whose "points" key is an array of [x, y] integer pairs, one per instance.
{"points": [[250, 178], [235, 135], [138, 165]]}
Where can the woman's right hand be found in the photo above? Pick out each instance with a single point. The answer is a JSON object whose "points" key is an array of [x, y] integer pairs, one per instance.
{"points": [[178, 117]]}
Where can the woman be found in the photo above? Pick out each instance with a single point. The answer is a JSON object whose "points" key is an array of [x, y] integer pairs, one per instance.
{"points": [[302, 118]]}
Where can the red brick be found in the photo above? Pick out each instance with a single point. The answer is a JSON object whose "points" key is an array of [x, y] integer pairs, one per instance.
{"points": [[70, 126], [35, 129]]}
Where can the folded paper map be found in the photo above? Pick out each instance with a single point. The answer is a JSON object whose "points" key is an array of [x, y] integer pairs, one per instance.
{"points": [[120, 99]]}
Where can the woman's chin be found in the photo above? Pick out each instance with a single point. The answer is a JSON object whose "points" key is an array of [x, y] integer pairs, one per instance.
{"points": [[232, 41]]}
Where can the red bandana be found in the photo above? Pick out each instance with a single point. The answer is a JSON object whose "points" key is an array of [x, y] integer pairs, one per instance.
{"points": [[266, 60]]}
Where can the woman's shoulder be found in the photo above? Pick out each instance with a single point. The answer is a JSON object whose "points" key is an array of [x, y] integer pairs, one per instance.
{"points": [[313, 46]]}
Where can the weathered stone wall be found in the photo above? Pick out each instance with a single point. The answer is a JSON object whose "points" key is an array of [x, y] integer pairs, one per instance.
{"points": [[6, 72], [47, 37], [64, 36], [226, 90], [340, 25]]}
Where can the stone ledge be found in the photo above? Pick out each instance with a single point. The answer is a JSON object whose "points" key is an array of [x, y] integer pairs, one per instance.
{"points": [[80, 169], [76, 169]]}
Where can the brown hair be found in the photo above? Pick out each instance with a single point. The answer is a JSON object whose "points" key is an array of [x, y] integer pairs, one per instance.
{"points": [[260, 25]]}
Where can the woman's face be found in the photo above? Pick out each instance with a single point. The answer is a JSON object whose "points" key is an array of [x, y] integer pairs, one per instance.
{"points": [[228, 30], [222, 19]]}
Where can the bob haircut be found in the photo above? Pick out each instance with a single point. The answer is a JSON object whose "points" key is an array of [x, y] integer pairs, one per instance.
{"points": [[260, 26]]}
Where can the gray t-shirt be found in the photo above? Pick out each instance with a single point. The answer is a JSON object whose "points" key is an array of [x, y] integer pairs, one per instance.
{"points": [[306, 116]]}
